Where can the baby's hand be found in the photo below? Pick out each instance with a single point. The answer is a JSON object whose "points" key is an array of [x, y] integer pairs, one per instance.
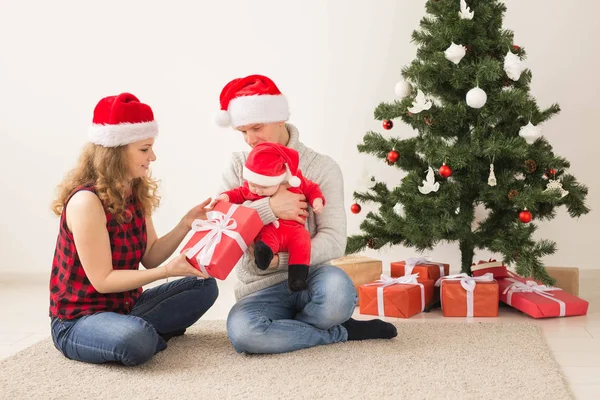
{"points": [[221, 197], [317, 206]]}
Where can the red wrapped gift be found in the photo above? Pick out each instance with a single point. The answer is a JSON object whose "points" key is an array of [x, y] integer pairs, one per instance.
{"points": [[466, 296], [400, 297], [220, 241], [539, 301], [496, 268], [426, 269]]}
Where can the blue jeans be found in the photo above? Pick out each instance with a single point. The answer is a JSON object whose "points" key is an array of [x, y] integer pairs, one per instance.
{"points": [[277, 320], [134, 338]]}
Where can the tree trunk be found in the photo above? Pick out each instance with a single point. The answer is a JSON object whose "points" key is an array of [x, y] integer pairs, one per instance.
{"points": [[467, 251]]}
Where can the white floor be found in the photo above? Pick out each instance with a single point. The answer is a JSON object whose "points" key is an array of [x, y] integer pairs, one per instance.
{"points": [[575, 341]]}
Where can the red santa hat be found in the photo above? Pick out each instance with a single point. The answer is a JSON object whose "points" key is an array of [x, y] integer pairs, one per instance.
{"points": [[251, 100], [270, 164], [120, 120]]}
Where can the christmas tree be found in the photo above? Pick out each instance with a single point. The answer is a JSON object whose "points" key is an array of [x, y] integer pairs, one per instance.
{"points": [[479, 143]]}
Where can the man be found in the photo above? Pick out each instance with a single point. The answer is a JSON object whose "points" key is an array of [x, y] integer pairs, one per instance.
{"points": [[269, 317]]}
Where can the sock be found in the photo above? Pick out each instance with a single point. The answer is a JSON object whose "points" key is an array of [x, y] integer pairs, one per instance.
{"points": [[169, 335], [263, 255], [373, 329], [297, 274]]}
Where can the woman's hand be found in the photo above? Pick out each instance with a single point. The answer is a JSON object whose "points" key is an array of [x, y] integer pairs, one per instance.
{"points": [[179, 266], [198, 212]]}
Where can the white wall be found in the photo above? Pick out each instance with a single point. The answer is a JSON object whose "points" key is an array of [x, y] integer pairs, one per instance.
{"points": [[335, 60]]}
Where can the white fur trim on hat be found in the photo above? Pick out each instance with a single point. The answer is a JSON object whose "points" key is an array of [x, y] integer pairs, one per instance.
{"points": [[122, 134], [263, 180], [258, 109]]}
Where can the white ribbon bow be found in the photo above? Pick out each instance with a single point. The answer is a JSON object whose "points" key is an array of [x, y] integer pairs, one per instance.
{"points": [[412, 262], [218, 224], [533, 287], [386, 281], [468, 283]]}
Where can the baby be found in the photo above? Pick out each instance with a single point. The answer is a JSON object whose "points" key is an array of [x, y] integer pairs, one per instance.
{"points": [[268, 166]]}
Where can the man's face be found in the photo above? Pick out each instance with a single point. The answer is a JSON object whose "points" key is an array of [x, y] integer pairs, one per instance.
{"points": [[259, 133]]}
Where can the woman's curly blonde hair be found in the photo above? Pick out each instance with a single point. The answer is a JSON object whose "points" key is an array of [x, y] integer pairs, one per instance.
{"points": [[105, 168]]}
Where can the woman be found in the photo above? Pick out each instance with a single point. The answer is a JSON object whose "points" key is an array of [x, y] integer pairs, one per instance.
{"points": [[98, 310]]}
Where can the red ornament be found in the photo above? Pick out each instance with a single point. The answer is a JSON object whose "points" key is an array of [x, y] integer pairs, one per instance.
{"points": [[355, 208], [445, 171], [428, 121], [410, 114], [393, 156], [515, 47], [388, 124], [551, 172], [525, 216]]}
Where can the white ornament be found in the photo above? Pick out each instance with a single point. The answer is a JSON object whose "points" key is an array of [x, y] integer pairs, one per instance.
{"points": [[420, 103], [455, 52], [519, 176], [465, 12], [429, 184], [492, 177], [530, 132], [403, 89], [476, 98], [399, 209], [554, 184], [513, 66], [450, 141], [457, 211]]}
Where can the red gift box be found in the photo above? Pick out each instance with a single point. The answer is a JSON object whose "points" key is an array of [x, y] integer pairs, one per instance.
{"points": [[220, 241], [426, 269], [466, 296], [496, 268], [400, 297], [539, 301]]}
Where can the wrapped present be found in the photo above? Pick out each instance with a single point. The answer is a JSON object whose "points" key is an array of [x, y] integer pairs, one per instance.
{"points": [[220, 241], [395, 297], [539, 301], [426, 269], [567, 278], [360, 269], [467, 296], [496, 268]]}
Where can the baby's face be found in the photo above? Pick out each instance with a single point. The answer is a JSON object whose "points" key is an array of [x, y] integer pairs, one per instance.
{"points": [[262, 190]]}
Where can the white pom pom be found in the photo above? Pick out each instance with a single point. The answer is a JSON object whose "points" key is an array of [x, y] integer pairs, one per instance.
{"points": [[403, 89], [294, 181], [223, 118], [476, 98]]}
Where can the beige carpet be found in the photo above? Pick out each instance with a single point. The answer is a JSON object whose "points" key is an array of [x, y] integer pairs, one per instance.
{"points": [[426, 361]]}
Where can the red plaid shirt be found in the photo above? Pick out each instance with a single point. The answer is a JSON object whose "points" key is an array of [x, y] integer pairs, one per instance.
{"points": [[71, 293]]}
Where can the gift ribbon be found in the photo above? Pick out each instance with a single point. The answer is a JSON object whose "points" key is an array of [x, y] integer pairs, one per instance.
{"points": [[533, 287], [468, 283], [386, 281], [217, 224], [412, 262]]}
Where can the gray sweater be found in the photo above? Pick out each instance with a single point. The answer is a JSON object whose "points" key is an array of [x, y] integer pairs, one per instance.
{"points": [[327, 230]]}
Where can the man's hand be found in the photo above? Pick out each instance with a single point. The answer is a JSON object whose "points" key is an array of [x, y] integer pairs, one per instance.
{"points": [[289, 206], [274, 262]]}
